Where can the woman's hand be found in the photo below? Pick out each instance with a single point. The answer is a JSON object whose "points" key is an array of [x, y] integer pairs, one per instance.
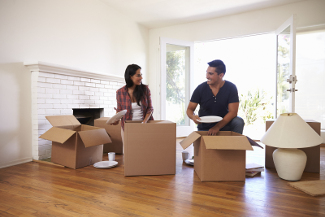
{"points": [[146, 119], [116, 122]]}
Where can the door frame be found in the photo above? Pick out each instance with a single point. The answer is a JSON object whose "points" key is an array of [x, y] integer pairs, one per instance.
{"points": [[181, 131], [291, 22]]}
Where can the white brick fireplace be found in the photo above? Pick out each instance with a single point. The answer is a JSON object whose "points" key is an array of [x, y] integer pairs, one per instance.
{"points": [[56, 90]]}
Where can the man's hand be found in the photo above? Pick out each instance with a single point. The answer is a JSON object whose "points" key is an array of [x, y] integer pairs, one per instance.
{"points": [[213, 131], [190, 112], [195, 118]]}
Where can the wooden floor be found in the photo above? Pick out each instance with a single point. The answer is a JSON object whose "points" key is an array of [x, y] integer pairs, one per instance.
{"points": [[39, 189]]}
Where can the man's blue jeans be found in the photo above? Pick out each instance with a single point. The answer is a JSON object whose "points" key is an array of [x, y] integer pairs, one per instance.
{"points": [[236, 125]]}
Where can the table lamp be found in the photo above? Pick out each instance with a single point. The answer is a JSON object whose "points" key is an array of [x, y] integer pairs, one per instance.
{"points": [[288, 133]]}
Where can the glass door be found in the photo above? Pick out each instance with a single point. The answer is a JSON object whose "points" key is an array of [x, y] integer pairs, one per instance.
{"points": [[310, 100], [286, 63], [176, 63]]}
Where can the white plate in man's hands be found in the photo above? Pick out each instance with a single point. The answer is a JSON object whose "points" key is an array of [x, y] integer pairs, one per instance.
{"points": [[210, 119], [116, 117], [105, 164]]}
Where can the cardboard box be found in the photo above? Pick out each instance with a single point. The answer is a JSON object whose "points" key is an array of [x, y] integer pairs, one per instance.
{"points": [[313, 153], [149, 149], [75, 145], [114, 132], [219, 158]]}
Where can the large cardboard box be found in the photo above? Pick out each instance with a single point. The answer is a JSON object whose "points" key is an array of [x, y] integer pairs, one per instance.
{"points": [[149, 149], [313, 153], [75, 145], [114, 132], [219, 158]]}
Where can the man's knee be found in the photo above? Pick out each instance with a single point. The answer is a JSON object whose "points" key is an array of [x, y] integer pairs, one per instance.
{"points": [[238, 124], [239, 121]]}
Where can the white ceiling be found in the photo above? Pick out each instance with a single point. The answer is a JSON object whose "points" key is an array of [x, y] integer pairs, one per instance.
{"points": [[159, 13]]}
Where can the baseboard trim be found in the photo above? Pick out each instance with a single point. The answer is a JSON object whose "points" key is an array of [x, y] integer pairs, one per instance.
{"points": [[46, 162], [16, 162]]}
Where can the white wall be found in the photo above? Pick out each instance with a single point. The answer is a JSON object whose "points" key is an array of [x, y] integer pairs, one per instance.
{"points": [[308, 13], [82, 34], [15, 114]]}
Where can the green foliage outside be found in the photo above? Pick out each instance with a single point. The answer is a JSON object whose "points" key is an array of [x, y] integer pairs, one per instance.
{"points": [[253, 106], [175, 80], [175, 67]]}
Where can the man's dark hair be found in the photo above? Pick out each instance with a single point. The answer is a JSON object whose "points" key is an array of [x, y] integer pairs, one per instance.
{"points": [[219, 65]]}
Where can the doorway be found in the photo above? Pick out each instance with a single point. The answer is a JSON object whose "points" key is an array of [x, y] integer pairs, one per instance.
{"points": [[250, 65], [176, 83]]}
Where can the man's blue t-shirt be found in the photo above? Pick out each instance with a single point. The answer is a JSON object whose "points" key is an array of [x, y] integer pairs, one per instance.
{"points": [[214, 105]]}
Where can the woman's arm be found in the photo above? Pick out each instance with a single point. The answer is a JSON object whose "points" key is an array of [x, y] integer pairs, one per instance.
{"points": [[146, 119], [119, 105], [119, 100], [149, 110]]}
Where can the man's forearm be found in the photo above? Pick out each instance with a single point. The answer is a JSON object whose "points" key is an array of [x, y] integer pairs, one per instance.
{"points": [[226, 119], [190, 113]]}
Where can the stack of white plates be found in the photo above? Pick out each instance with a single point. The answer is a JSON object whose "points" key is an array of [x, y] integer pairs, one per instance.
{"points": [[189, 161], [105, 164]]}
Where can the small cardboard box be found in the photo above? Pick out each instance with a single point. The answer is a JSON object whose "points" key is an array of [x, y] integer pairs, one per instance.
{"points": [[149, 149], [313, 153], [75, 145], [219, 158], [114, 132]]}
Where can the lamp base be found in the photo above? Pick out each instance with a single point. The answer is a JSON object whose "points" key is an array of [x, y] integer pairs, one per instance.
{"points": [[289, 163]]}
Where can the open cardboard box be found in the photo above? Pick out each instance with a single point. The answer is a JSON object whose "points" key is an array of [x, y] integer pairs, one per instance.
{"points": [[75, 145], [219, 158], [149, 149], [114, 132]]}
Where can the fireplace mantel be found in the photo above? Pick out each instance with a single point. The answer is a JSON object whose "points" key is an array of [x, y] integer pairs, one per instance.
{"points": [[62, 70]]}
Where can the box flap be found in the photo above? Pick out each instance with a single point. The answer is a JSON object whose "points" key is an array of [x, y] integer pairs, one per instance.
{"points": [[94, 137], [233, 141], [63, 120], [190, 139], [151, 122], [56, 134], [253, 143]]}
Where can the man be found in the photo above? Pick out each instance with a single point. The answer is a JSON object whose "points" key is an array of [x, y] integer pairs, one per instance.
{"points": [[216, 97]]}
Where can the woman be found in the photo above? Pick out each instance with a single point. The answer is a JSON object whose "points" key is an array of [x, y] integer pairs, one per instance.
{"points": [[135, 97]]}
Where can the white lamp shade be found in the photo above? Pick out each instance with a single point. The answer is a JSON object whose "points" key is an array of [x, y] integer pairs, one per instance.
{"points": [[291, 131]]}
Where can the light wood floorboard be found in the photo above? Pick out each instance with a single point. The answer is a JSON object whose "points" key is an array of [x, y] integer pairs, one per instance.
{"points": [[42, 189]]}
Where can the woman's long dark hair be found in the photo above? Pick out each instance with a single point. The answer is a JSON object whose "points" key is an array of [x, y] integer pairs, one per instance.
{"points": [[138, 92]]}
